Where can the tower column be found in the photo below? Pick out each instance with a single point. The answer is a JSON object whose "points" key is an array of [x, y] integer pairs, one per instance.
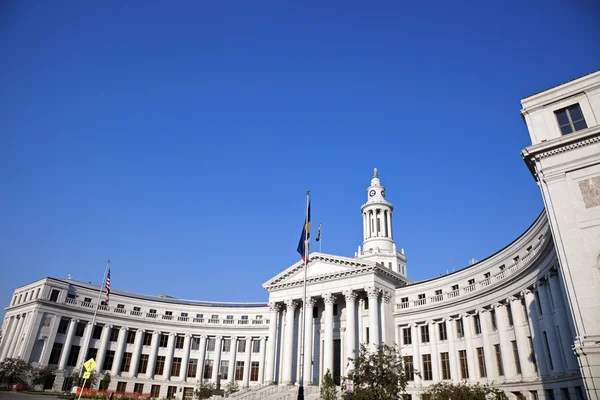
{"points": [[416, 354], [329, 300], [563, 324], [556, 353], [505, 345], [288, 349], [185, 360], [389, 224], [87, 335], [536, 333], [485, 318], [232, 359], [468, 325], [9, 336], [450, 331], [435, 356], [247, 361], [261, 368], [169, 356]]}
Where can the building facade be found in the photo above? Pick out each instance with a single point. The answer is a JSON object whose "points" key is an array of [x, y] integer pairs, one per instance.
{"points": [[524, 319]]}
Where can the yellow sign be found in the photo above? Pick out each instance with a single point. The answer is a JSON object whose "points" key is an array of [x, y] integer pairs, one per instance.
{"points": [[89, 364], [86, 375]]}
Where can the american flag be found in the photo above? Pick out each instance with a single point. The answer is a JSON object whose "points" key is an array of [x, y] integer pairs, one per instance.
{"points": [[107, 286]]}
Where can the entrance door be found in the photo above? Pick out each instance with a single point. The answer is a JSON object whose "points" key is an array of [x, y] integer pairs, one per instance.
{"points": [[188, 393], [337, 360]]}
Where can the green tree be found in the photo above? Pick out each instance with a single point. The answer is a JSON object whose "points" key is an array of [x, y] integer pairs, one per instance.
{"points": [[327, 391], [89, 382], [44, 376], [232, 387], [462, 391], [377, 375], [14, 371], [105, 381], [204, 390]]}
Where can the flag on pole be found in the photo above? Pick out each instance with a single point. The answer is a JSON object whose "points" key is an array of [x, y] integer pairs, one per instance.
{"points": [[318, 234], [305, 237], [107, 286]]}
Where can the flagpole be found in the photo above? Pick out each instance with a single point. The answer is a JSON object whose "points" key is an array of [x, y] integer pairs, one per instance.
{"points": [[320, 238], [303, 322]]}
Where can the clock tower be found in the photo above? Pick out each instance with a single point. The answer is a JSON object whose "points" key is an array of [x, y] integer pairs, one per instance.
{"points": [[378, 241]]}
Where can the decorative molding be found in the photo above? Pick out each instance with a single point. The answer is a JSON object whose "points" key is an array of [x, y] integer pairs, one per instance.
{"points": [[387, 296], [350, 295], [372, 292], [290, 304], [311, 301], [274, 307], [328, 298]]}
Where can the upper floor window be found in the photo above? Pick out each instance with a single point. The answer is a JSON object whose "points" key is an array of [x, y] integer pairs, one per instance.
{"points": [[199, 315], [229, 317], [168, 312], [54, 295], [87, 299], [121, 306], [454, 287], [244, 317], [570, 119], [184, 314]]}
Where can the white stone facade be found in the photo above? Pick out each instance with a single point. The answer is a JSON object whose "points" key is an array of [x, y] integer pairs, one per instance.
{"points": [[524, 319]]}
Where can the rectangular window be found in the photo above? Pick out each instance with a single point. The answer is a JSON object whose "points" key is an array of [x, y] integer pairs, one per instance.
{"points": [[254, 371], [493, 317], [510, 316], [171, 390], [208, 367], [179, 340], [196, 343], [184, 314], [54, 295], [169, 313], [315, 312], [126, 362], [226, 346], [121, 387], [63, 325], [159, 368], [147, 339], [121, 306], [152, 311], [108, 359], [92, 353], [409, 368], [532, 354], [421, 296], [138, 309], [256, 346], [515, 350], [499, 363], [143, 365], [214, 317], [548, 350], [486, 275], [138, 388], [438, 292], [73, 355], [570, 119], [131, 336], [424, 333], [427, 371], [163, 340], [241, 346], [155, 391], [192, 368], [224, 369], [464, 365], [199, 316], [210, 344], [176, 367], [244, 317], [335, 309], [114, 334], [80, 329], [407, 335], [477, 324], [445, 359], [97, 332], [481, 359], [55, 353], [442, 330], [454, 287], [230, 317], [549, 394], [471, 282], [460, 329], [366, 303], [239, 370]]}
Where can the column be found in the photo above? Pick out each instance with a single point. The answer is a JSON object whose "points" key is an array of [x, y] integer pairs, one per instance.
{"points": [[468, 324], [378, 223], [505, 345], [217, 363], [19, 341], [563, 318], [8, 337], [103, 344], [15, 339], [288, 350], [270, 362], [231, 369], [452, 358], [185, 360], [153, 355], [550, 326], [87, 336], [373, 295], [485, 318], [389, 223], [519, 322], [202, 351], [137, 349], [536, 333], [67, 346], [386, 298], [308, 341], [261, 369], [49, 342], [365, 222], [329, 300], [169, 357], [435, 356], [361, 328], [371, 223], [247, 360], [350, 298], [416, 354], [116, 367]]}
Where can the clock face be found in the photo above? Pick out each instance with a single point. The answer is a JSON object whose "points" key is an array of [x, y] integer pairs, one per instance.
{"points": [[372, 193], [383, 193]]}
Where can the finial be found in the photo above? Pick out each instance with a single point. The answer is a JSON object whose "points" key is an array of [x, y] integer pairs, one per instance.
{"points": [[375, 173]]}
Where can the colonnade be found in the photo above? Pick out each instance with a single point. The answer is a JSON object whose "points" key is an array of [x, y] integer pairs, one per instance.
{"points": [[12, 344], [377, 223]]}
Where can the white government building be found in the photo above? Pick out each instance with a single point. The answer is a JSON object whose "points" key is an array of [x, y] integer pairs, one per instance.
{"points": [[526, 319]]}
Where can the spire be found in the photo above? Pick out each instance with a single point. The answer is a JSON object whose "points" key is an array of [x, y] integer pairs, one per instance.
{"points": [[375, 180], [375, 173]]}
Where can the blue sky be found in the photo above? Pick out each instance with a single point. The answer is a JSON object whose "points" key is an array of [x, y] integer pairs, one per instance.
{"points": [[178, 139]]}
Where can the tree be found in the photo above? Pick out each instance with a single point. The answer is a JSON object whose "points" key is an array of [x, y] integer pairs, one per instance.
{"points": [[14, 371], [462, 391], [327, 390], [89, 382], [204, 390], [44, 376], [377, 375], [105, 381], [232, 387]]}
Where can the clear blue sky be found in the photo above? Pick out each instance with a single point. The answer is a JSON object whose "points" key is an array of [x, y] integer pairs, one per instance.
{"points": [[178, 138]]}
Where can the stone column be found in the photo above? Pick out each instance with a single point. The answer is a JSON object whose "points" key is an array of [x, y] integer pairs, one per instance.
{"points": [[217, 364], [87, 336], [361, 327], [308, 341], [563, 318], [416, 353], [550, 325], [270, 362], [15, 339], [232, 360], [389, 223], [137, 349], [116, 367], [67, 346], [536, 333], [452, 358], [365, 222], [373, 295], [247, 360], [153, 355], [468, 325], [435, 356], [103, 345], [490, 355], [185, 360], [386, 298], [288, 345], [329, 300], [519, 322], [8, 336], [49, 342], [261, 369], [169, 356], [350, 298], [202, 351], [505, 345]]}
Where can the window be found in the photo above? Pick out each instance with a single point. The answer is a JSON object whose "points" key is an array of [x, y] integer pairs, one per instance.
{"points": [[367, 335], [477, 324], [254, 371], [155, 391], [407, 335], [239, 370], [464, 365], [121, 387], [138, 309], [196, 343], [486, 275], [63, 325], [404, 300], [256, 346], [54, 295], [224, 369], [184, 314], [245, 317], [126, 362], [143, 365], [131, 336], [442, 330], [121, 306], [460, 329], [366, 303], [493, 318], [230, 317], [409, 368], [548, 349], [73, 355], [515, 350], [502, 267], [315, 312], [421, 296], [481, 359], [454, 287], [192, 367], [92, 353], [427, 372], [510, 316], [69, 296], [210, 344], [147, 339], [47, 321], [159, 368], [438, 292], [570, 119], [176, 366], [199, 316], [179, 342], [549, 394], [214, 317], [335, 309], [163, 341], [424, 333], [171, 390], [471, 282], [445, 365], [114, 334], [138, 388], [97, 332], [532, 354], [152, 311], [55, 353], [226, 346], [169, 313], [109, 357], [208, 367], [499, 362], [80, 329], [241, 346]]}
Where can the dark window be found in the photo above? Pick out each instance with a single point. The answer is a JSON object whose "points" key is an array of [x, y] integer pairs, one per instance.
{"points": [[147, 339], [164, 340], [54, 295], [407, 335], [152, 311], [179, 342], [493, 317], [121, 387], [335, 309], [171, 392], [460, 330], [499, 362], [241, 346], [143, 365], [404, 300], [176, 367], [315, 312], [192, 367], [155, 391], [108, 359], [121, 306], [195, 343], [421, 296], [87, 299], [239, 370], [464, 365], [126, 362], [114, 334], [224, 369], [509, 316], [254, 371], [92, 353], [137, 309], [438, 292], [208, 367], [366, 303], [443, 332], [63, 325], [471, 281], [55, 353], [427, 371], [477, 324], [97, 334], [169, 313], [256, 346], [69, 296], [138, 388], [244, 317], [159, 368], [570, 119], [73, 356], [424, 333], [409, 368], [454, 287], [131, 336], [444, 357], [210, 344], [184, 314], [481, 359], [486, 275], [515, 350]]}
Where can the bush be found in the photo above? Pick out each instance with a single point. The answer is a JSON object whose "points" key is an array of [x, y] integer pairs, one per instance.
{"points": [[327, 391], [462, 391], [204, 390]]}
